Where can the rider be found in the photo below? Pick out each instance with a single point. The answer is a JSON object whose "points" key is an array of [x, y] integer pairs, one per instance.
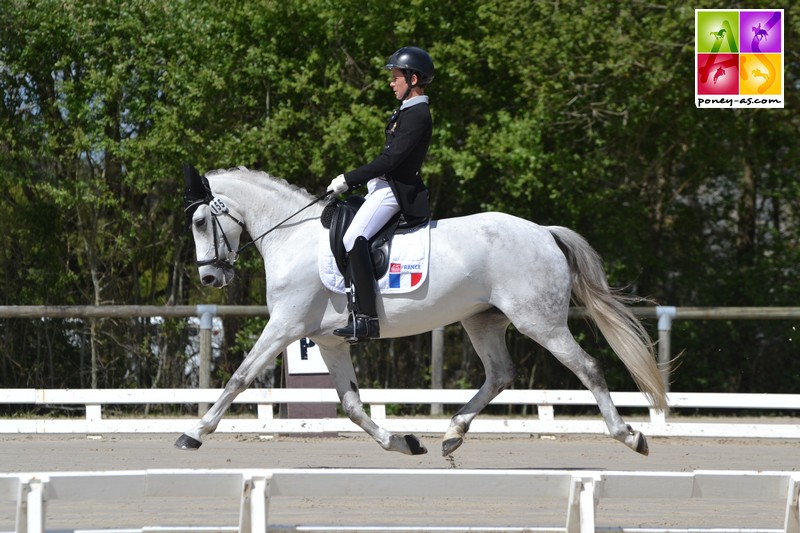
{"points": [[393, 183]]}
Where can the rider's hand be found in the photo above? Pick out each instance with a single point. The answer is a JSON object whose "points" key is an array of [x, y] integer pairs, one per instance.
{"points": [[338, 185]]}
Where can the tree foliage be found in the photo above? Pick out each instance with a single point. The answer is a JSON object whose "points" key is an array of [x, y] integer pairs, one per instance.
{"points": [[569, 113]]}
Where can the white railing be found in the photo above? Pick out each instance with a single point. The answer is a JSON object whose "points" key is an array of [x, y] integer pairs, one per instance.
{"points": [[579, 491], [545, 402]]}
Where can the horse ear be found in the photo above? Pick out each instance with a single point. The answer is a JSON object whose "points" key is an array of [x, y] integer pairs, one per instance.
{"points": [[191, 178], [197, 189], [189, 173]]}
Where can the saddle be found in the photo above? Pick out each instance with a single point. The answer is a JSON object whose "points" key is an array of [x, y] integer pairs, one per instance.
{"points": [[337, 216]]}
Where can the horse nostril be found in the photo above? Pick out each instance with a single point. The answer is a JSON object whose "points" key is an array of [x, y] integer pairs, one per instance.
{"points": [[208, 279]]}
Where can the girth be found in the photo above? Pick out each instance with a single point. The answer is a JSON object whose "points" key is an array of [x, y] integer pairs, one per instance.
{"points": [[337, 217]]}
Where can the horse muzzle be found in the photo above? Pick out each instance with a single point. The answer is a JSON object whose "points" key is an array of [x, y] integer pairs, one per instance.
{"points": [[215, 273]]}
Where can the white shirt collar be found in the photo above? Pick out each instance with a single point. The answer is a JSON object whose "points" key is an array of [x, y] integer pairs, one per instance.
{"points": [[421, 99]]}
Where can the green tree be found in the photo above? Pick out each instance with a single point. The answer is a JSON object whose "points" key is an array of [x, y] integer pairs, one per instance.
{"points": [[568, 113]]}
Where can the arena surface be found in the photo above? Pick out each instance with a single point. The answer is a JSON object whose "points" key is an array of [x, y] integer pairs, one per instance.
{"points": [[50, 453]]}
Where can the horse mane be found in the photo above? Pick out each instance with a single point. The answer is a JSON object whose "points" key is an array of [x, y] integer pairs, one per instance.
{"points": [[274, 182]]}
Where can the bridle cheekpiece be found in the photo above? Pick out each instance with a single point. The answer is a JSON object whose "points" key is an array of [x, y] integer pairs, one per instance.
{"points": [[198, 192]]}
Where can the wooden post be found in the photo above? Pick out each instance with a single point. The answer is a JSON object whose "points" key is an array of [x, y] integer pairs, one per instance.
{"points": [[437, 366], [665, 315], [206, 314]]}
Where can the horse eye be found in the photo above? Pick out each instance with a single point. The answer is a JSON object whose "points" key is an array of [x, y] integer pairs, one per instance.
{"points": [[200, 223]]}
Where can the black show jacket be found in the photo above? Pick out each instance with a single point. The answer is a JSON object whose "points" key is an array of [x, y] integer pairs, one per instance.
{"points": [[408, 136]]}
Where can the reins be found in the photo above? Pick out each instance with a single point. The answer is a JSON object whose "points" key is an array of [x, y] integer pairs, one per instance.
{"points": [[282, 222]]}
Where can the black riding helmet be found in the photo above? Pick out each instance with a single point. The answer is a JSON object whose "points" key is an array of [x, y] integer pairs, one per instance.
{"points": [[411, 59]]}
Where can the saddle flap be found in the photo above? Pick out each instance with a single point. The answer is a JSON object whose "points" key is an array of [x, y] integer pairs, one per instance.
{"points": [[337, 218], [408, 256], [342, 213]]}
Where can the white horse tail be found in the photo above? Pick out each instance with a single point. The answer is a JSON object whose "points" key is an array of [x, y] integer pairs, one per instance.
{"points": [[623, 331]]}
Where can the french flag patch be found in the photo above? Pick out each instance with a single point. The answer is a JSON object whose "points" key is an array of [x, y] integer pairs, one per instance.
{"points": [[404, 276]]}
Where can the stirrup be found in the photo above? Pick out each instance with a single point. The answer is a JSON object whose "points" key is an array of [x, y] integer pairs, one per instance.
{"points": [[362, 328]]}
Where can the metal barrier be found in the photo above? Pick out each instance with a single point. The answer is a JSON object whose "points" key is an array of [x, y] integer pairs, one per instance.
{"points": [[546, 422], [579, 491]]}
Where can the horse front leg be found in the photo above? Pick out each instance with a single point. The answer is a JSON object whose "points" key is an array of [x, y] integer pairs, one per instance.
{"points": [[337, 358], [487, 333], [268, 346]]}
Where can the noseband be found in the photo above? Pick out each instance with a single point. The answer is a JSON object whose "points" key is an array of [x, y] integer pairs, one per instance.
{"points": [[218, 208]]}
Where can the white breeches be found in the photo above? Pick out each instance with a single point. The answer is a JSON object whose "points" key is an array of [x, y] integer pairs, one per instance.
{"points": [[379, 207]]}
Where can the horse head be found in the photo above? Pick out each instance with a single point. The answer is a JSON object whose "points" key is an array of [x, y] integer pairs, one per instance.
{"points": [[215, 228]]}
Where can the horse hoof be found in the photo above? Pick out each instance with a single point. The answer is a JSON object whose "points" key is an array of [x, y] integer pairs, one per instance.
{"points": [[451, 445], [636, 442], [185, 442], [415, 445], [641, 444]]}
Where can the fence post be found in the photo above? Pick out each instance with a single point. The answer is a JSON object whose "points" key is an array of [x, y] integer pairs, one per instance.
{"points": [[206, 314], [665, 315], [791, 522], [31, 505], [437, 365]]}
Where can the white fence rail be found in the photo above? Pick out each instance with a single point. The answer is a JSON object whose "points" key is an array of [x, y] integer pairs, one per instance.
{"points": [[545, 422], [580, 491]]}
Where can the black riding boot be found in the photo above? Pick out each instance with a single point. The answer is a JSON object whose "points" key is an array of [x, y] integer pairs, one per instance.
{"points": [[363, 321]]}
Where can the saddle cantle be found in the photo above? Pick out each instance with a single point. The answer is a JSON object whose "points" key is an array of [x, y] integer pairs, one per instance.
{"points": [[338, 215]]}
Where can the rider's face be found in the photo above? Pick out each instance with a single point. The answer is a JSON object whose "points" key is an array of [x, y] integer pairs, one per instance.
{"points": [[399, 84]]}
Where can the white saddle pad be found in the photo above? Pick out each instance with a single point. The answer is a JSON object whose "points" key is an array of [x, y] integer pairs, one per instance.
{"points": [[408, 263]]}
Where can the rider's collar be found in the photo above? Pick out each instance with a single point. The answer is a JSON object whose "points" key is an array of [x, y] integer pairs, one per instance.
{"points": [[421, 99]]}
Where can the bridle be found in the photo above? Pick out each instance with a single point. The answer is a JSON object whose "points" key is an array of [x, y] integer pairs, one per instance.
{"points": [[218, 209]]}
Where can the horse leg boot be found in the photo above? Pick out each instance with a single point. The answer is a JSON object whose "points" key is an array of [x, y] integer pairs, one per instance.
{"points": [[363, 321]]}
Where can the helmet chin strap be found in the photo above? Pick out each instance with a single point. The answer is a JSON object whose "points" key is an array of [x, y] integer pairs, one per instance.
{"points": [[407, 74]]}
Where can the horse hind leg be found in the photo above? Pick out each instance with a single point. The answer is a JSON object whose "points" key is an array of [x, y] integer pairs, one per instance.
{"points": [[487, 333], [560, 342]]}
